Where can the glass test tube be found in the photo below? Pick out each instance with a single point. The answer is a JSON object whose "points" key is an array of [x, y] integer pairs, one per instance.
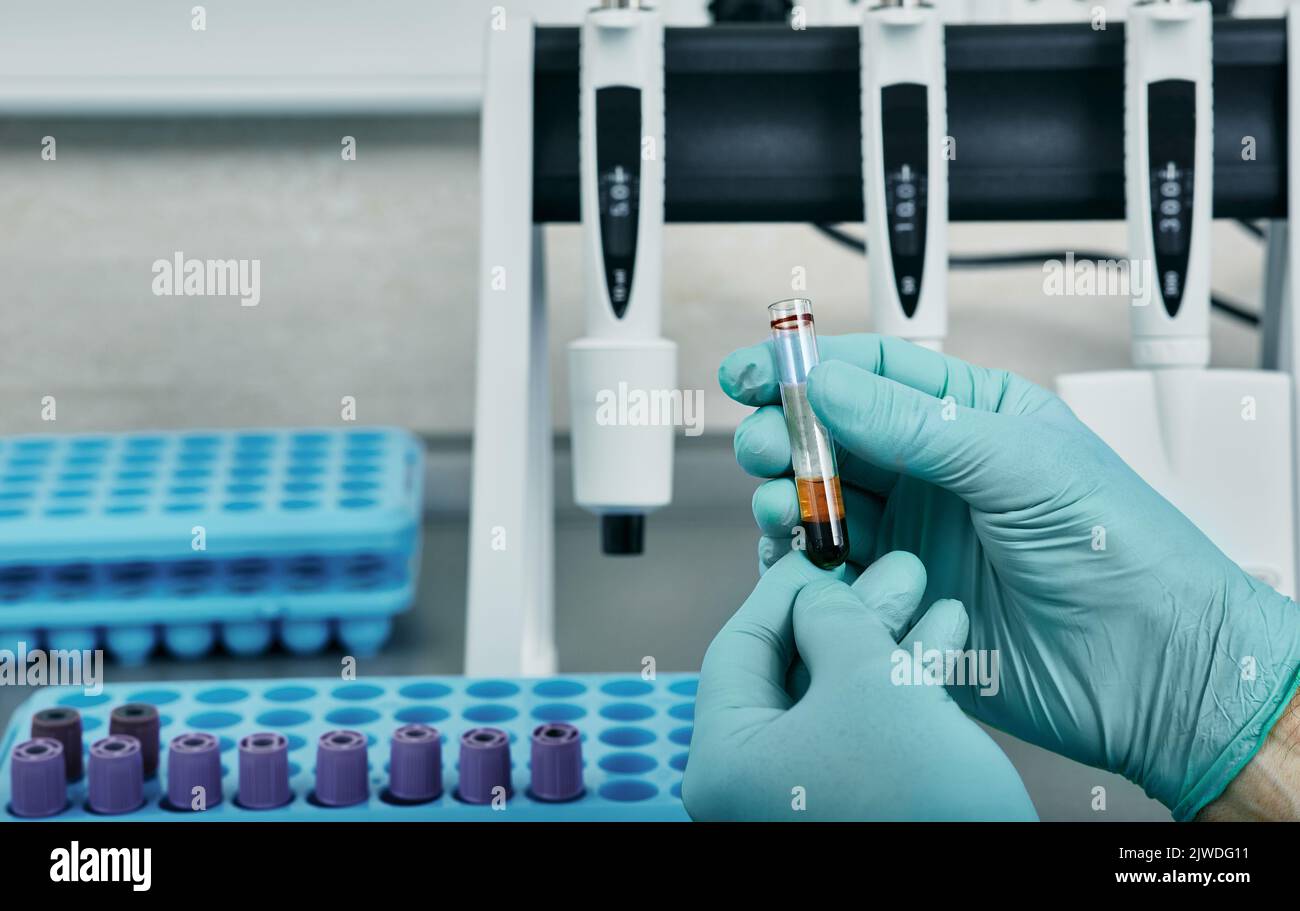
{"points": [[812, 451]]}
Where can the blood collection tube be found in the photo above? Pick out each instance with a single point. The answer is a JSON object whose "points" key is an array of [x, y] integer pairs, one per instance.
{"points": [[812, 451]]}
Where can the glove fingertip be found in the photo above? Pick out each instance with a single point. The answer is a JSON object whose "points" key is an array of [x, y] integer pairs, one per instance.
{"points": [[761, 444], [945, 626], [744, 376], [776, 507], [770, 550]]}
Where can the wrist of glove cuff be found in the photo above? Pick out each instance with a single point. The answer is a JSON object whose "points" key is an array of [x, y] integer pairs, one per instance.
{"points": [[1250, 680]]}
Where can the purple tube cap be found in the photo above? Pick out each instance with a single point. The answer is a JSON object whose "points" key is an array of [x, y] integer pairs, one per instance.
{"points": [[193, 761], [38, 780], [342, 769], [63, 724], [116, 775], [415, 764], [139, 720], [556, 762], [264, 771], [484, 764]]}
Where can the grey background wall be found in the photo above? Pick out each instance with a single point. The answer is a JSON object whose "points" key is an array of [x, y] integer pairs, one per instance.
{"points": [[369, 277]]}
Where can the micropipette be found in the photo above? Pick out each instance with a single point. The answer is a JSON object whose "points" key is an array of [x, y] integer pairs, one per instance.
{"points": [[905, 170]]}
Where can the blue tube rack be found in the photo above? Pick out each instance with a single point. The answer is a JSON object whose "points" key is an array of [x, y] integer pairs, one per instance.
{"points": [[306, 535], [635, 738]]}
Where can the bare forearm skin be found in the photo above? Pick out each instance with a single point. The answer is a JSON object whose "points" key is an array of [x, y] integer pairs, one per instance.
{"points": [[1268, 788]]}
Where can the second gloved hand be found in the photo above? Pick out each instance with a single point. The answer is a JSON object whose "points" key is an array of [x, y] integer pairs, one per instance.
{"points": [[1125, 638], [861, 736]]}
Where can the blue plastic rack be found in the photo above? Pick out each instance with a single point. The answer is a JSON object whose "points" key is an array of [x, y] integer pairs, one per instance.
{"points": [[306, 534], [635, 738]]}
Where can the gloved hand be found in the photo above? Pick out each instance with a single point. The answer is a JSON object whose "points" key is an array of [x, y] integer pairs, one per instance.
{"points": [[853, 743], [1126, 639]]}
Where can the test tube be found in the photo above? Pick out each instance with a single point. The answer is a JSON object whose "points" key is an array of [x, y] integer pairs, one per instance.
{"points": [[812, 451]]}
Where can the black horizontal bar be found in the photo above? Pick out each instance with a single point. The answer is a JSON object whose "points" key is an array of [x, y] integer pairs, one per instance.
{"points": [[762, 122]]}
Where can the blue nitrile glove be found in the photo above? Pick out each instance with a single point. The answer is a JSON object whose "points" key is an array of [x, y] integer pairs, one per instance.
{"points": [[865, 737], [1126, 639]]}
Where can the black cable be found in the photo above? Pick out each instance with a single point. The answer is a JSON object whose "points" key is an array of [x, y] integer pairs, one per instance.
{"points": [[1234, 311], [1034, 258], [1251, 228], [842, 237], [1028, 258]]}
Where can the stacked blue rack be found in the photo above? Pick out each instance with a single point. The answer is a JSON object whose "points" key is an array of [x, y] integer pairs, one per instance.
{"points": [[635, 734], [118, 540]]}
